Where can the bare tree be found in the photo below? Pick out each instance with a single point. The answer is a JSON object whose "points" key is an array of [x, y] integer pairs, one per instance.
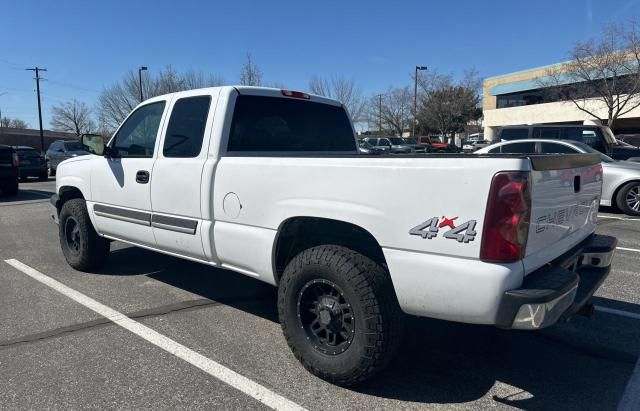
{"points": [[9, 122], [116, 101], [395, 110], [447, 105], [345, 91], [73, 116], [250, 74], [603, 72]]}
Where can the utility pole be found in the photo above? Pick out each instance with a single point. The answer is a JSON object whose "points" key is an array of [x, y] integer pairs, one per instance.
{"points": [[415, 100], [38, 70], [1, 129], [380, 115], [140, 70]]}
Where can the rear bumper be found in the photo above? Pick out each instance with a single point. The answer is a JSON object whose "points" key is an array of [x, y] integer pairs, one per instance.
{"points": [[558, 290], [35, 170]]}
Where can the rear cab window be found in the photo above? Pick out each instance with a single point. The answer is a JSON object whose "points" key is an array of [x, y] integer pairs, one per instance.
{"points": [[278, 124]]}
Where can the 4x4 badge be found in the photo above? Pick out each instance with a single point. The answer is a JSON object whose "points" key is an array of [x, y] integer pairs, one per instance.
{"points": [[429, 229]]}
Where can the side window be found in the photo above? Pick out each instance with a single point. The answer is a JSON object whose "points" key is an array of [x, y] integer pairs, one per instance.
{"points": [[589, 136], [372, 141], [186, 127], [556, 148], [508, 134], [547, 132], [384, 142], [520, 148], [137, 136], [593, 139]]}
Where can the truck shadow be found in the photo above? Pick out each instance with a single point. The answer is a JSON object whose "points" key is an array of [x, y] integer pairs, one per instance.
{"points": [[23, 195], [584, 364]]}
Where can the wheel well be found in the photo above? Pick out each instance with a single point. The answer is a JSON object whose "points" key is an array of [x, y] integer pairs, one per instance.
{"points": [[67, 193], [614, 200], [300, 233]]}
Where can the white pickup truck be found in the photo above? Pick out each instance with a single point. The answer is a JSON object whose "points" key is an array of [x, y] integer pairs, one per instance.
{"points": [[269, 183]]}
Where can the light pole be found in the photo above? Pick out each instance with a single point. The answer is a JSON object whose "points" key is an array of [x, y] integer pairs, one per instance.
{"points": [[380, 115], [415, 100], [140, 70]]}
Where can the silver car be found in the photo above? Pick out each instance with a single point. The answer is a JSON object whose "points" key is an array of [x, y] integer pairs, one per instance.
{"points": [[620, 181]]}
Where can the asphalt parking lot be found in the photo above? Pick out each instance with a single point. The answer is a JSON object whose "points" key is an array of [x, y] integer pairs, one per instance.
{"points": [[57, 353]]}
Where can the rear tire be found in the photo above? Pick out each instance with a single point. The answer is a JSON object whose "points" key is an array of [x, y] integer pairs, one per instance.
{"points": [[82, 247], [52, 171], [339, 314], [628, 198], [44, 176]]}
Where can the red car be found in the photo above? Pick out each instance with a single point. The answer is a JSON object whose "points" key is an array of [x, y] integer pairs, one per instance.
{"points": [[438, 145]]}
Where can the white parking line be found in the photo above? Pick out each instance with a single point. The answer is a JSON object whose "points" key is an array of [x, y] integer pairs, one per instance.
{"points": [[628, 249], [618, 218], [219, 371]]}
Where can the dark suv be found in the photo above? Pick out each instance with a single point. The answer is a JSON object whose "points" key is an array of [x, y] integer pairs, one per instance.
{"points": [[8, 170], [61, 150], [31, 163], [598, 137]]}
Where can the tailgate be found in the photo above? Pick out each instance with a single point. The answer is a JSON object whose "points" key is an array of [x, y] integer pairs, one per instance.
{"points": [[565, 195]]}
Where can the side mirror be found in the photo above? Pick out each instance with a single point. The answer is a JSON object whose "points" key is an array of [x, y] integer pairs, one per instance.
{"points": [[94, 144]]}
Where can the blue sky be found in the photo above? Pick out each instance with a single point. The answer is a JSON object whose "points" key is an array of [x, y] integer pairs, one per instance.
{"points": [[89, 45]]}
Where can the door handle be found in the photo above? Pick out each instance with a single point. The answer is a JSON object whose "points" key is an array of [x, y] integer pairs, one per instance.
{"points": [[142, 177]]}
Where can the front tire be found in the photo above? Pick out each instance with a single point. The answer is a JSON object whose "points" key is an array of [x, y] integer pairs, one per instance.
{"points": [[82, 247], [339, 314], [628, 198]]}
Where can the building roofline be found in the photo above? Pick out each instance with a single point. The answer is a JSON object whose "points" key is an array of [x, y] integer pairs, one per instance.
{"points": [[548, 66]]}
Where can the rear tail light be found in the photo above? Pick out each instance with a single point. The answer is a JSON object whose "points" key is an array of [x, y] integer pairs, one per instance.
{"points": [[295, 94], [506, 223], [15, 160]]}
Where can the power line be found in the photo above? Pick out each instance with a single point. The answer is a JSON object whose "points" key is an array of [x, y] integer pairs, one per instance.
{"points": [[38, 70]]}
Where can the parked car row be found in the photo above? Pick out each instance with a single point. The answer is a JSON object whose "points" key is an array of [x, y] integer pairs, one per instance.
{"points": [[600, 138], [405, 145]]}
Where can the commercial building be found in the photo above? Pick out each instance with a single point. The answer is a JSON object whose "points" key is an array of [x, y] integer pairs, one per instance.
{"points": [[518, 99]]}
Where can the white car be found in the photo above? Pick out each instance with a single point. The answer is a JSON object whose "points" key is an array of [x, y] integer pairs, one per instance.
{"points": [[471, 146], [269, 183], [620, 179]]}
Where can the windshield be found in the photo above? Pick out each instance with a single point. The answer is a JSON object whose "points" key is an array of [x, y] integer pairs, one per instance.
{"points": [[73, 146], [396, 141], [411, 140], [365, 144], [436, 140], [588, 149]]}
